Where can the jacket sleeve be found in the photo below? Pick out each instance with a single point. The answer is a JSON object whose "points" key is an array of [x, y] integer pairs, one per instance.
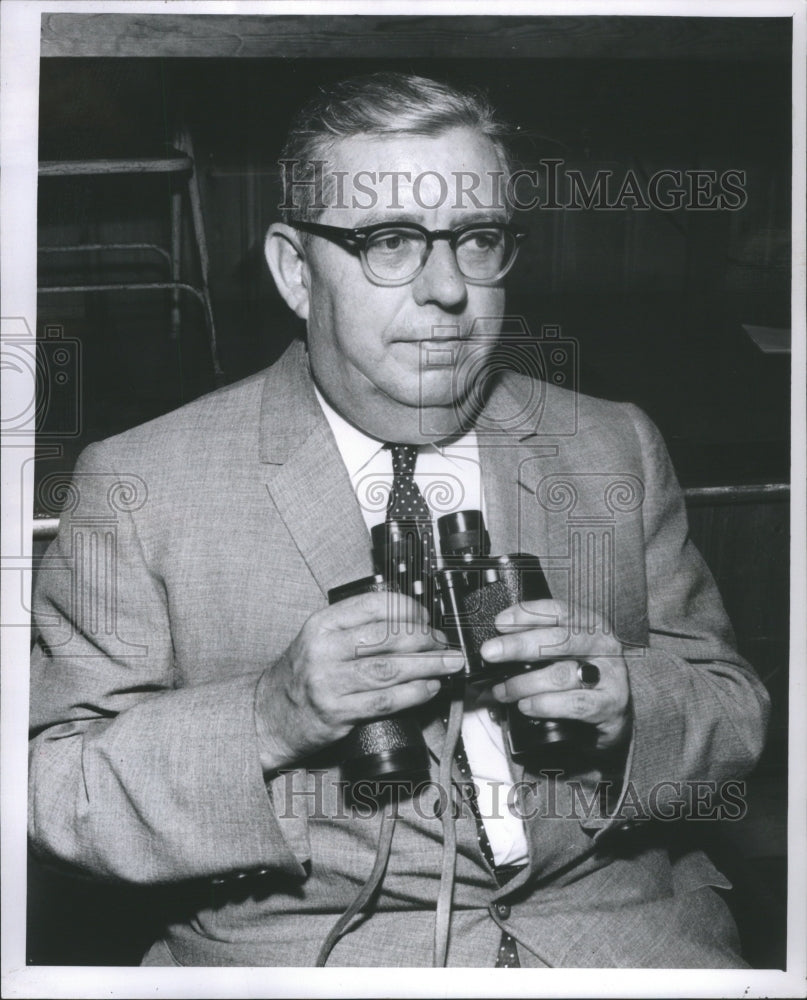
{"points": [[130, 777], [699, 710]]}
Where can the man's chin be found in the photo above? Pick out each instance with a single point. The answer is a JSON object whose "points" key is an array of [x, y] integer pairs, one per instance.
{"points": [[447, 390], [442, 411]]}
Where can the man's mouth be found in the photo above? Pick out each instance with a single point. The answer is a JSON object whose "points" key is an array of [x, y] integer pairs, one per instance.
{"points": [[448, 334], [438, 337], [438, 334]]}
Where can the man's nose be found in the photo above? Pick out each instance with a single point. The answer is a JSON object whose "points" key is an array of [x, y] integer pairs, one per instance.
{"points": [[440, 281]]}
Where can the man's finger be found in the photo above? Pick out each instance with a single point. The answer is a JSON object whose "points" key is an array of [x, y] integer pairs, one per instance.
{"points": [[583, 704], [526, 645], [366, 706], [378, 638], [560, 675], [382, 672], [558, 643], [377, 606], [546, 613]]}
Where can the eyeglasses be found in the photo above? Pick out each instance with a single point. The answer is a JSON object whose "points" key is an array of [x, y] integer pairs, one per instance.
{"points": [[395, 254]]}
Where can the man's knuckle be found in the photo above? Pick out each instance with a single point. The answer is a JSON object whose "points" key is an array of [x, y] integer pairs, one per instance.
{"points": [[368, 602], [383, 669], [314, 649], [380, 632], [553, 612], [382, 703], [313, 692], [559, 674]]}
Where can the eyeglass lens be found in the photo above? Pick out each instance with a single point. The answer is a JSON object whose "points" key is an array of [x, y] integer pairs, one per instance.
{"points": [[394, 254]]}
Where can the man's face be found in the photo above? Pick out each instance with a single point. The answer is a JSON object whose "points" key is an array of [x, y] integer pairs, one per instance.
{"points": [[366, 341]]}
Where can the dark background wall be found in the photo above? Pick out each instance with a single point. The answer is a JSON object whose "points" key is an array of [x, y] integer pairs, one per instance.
{"points": [[654, 301]]}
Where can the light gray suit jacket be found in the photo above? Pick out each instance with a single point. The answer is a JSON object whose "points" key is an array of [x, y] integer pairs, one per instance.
{"points": [[191, 551]]}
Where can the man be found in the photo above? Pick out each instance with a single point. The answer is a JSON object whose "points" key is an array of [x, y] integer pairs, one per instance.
{"points": [[186, 717]]}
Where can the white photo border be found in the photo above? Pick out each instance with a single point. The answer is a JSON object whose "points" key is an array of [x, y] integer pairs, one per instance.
{"points": [[19, 66]]}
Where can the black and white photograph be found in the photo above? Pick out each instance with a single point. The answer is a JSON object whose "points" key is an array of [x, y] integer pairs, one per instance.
{"points": [[403, 499]]}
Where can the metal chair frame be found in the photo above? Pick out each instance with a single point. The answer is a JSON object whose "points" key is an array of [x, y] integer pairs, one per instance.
{"points": [[180, 162]]}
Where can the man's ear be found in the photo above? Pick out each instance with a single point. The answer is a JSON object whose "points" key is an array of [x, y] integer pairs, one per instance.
{"points": [[286, 261]]}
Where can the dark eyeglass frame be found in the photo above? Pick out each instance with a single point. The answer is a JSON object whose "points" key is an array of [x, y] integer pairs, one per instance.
{"points": [[356, 240]]}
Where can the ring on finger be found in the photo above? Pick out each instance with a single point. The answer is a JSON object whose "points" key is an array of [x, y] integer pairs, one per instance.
{"points": [[588, 674]]}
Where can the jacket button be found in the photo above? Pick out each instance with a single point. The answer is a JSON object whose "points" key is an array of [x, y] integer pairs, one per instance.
{"points": [[240, 874], [503, 910]]}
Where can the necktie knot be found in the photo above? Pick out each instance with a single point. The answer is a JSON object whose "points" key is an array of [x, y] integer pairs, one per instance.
{"points": [[406, 502], [404, 457]]}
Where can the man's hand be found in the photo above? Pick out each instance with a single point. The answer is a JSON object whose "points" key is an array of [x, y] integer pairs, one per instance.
{"points": [[540, 629], [363, 658]]}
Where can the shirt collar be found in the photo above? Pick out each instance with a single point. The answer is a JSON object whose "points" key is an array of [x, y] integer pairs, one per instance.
{"points": [[355, 447], [359, 449]]}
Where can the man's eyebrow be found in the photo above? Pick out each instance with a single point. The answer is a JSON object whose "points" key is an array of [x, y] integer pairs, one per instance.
{"points": [[417, 218], [483, 216], [392, 219]]}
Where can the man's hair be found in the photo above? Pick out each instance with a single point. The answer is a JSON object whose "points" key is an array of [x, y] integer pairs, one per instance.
{"points": [[377, 105]]}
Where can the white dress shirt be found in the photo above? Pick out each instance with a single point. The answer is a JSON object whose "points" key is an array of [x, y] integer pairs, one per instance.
{"points": [[449, 478]]}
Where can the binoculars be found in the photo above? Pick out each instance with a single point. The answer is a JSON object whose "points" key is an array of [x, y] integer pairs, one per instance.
{"points": [[463, 596]]}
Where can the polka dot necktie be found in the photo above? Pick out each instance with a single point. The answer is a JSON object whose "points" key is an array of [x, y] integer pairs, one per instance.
{"points": [[407, 503]]}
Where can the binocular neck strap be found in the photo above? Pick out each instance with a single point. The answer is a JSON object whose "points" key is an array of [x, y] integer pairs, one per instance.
{"points": [[369, 888], [442, 917]]}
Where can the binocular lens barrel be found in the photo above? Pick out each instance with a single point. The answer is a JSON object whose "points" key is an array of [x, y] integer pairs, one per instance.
{"points": [[384, 751], [474, 587], [463, 533]]}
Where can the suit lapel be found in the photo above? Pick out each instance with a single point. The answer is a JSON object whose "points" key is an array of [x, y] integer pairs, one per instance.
{"points": [[578, 503], [314, 496], [512, 465], [307, 479]]}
